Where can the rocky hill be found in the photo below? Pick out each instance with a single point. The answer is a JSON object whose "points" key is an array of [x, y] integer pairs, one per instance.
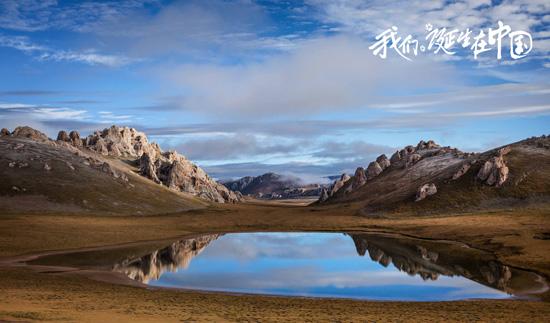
{"points": [[116, 169], [427, 178], [273, 186]]}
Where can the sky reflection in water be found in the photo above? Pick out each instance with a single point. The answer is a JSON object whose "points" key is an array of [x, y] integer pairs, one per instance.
{"points": [[307, 264]]}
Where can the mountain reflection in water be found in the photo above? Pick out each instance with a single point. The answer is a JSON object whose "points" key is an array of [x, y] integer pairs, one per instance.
{"points": [[325, 264], [177, 255]]}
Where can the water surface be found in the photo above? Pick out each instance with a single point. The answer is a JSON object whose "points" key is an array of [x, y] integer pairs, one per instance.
{"points": [[362, 266]]}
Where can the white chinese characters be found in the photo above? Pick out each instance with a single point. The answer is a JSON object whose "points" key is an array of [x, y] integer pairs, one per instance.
{"points": [[450, 41]]}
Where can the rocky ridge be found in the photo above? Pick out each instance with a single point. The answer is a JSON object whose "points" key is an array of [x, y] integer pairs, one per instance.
{"points": [[167, 168], [420, 166]]}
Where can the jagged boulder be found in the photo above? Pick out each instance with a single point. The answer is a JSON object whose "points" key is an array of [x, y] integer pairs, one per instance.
{"points": [[383, 161], [339, 183], [74, 137], [178, 173], [373, 170], [396, 157], [425, 191], [148, 168], [494, 171], [62, 136], [117, 141], [30, 133], [430, 144], [359, 179], [4, 132]]}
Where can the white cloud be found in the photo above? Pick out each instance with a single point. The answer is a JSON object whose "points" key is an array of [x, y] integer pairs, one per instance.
{"points": [[340, 75], [58, 113], [322, 75]]}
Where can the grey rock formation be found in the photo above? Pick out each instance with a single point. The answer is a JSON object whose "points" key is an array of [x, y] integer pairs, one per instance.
{"points": [[383, 161], [396, 157], [4, 132], [494, 171], [373, 170], [74, 137], [338, 184], [30, 133], [62, 136], [430, 144], [168, 168], [118, 141], [148, 168], [425, 191], [359, 179]]}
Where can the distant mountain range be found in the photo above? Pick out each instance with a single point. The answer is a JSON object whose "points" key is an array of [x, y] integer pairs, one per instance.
{"points": [[274, 186]]}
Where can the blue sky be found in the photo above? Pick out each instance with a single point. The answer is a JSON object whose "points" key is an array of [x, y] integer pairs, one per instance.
{"points": [[246, 87]]}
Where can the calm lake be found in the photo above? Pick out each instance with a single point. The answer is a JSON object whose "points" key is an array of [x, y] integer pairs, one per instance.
{"points": [[361, 266]]}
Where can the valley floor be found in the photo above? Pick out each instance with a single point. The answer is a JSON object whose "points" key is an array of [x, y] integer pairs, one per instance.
{"points": [[519, 238]]}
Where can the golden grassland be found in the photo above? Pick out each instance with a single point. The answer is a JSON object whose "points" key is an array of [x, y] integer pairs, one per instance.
{"points": [[517, 237]]}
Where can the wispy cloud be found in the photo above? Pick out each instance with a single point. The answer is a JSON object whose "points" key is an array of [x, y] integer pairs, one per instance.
{"points": [[42, 112], [44, 53]]}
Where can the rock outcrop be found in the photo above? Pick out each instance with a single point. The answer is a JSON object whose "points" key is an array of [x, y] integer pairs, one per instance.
{"points": [[74, 138], [168, 168], [178, 173], [383, 161], [359, 179], [339, 183], [118, 142], [425, 191], [4, 132], [430, 144], [374, 169], [62, 136], [410, 155], [494, 171], [29, 133]]}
